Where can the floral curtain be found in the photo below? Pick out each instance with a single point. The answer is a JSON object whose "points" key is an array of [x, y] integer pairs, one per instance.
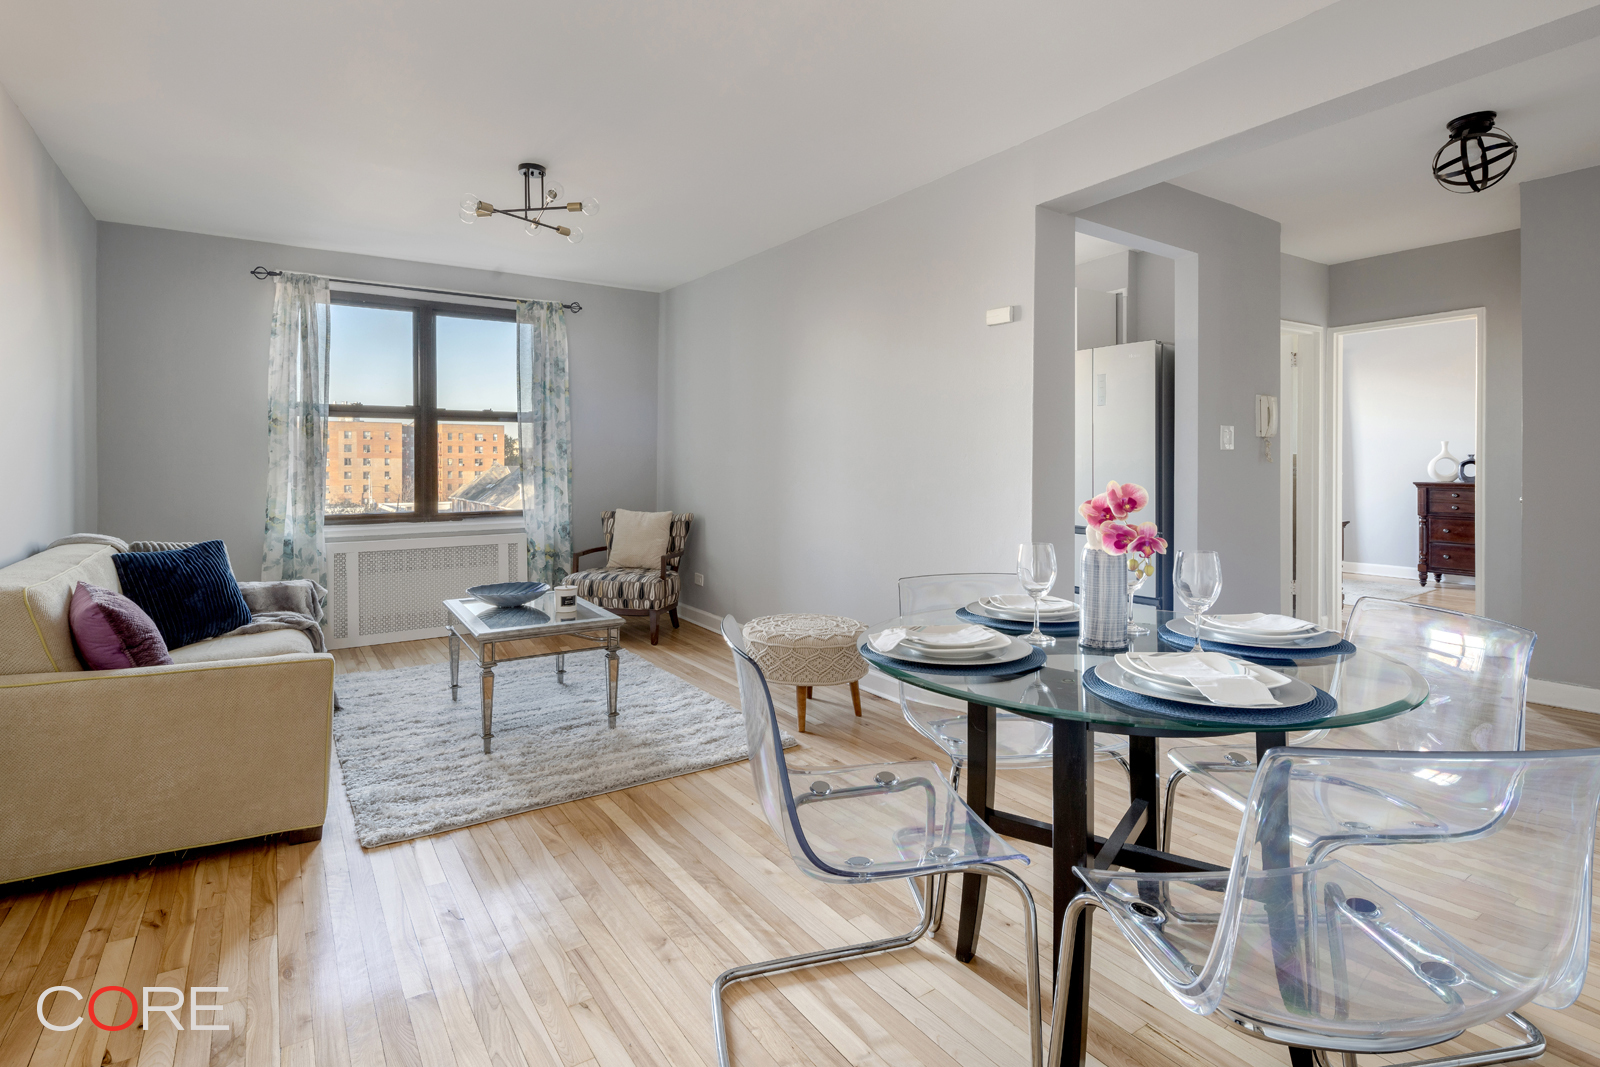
{"points": [[297, 431], [544, 438]]}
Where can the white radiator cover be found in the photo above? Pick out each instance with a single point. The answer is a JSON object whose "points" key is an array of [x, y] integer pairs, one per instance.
{"points": [[390, 589]]}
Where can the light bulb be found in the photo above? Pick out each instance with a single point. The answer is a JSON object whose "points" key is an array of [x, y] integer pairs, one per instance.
{"points": [[468, 217], [532, 229], [575, 234], [591, 207], [553, 193], [469, 203]]}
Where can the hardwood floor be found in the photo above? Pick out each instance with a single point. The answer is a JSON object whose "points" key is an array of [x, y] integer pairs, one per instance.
{"points": [[589, 934]]}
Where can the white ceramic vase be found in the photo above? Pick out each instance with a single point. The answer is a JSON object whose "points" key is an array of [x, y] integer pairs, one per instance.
{"points": [[1444, 467]]}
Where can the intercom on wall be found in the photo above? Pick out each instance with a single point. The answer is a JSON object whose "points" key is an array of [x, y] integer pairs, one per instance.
{"points": [[1267, 420]]}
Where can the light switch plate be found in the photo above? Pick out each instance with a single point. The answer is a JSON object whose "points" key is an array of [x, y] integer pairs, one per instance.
{"points": [[1000, 316], [1227, 438], [699, 579]]}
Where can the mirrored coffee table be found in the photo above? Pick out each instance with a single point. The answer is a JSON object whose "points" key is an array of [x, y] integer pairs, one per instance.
{"points": [[484, 628]]}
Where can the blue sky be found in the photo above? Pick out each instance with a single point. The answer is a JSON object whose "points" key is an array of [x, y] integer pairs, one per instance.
{"points": [[370, 353]]}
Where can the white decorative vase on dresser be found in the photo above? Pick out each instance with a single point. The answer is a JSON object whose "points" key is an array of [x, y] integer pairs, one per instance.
{"points": [[1444, 466]]}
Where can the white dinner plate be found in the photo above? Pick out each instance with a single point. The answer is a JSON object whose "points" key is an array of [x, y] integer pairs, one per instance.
{"points": [[978, 607], [1240, 624], [1288, 696], [965, 652], [959, 635], [1184, 624], [1013, 649]]}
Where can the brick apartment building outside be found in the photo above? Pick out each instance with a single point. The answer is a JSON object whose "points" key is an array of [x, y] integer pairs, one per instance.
{"points": [[370, 462]]}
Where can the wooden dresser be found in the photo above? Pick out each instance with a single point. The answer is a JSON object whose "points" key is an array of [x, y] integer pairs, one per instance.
{"points": [[1446, 530]]}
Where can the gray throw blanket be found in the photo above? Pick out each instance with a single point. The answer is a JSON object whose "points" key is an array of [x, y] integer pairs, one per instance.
{"points": [[291, 605]]}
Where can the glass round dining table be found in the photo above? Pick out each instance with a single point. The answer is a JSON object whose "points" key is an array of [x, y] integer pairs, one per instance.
{"points": [[1367, 686]]}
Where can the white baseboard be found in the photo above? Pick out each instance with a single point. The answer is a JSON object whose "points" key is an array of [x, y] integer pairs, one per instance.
{"points": [[703, 619], [876, 682], [1389, 570], [1562, 695]]}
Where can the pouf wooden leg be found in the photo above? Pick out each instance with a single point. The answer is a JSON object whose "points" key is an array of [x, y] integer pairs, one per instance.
{"points": [[655, 627], [855, 697], [800, 702]]}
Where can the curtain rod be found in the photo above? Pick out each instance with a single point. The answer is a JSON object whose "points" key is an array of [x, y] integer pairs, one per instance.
{"points": [[262, 274]]}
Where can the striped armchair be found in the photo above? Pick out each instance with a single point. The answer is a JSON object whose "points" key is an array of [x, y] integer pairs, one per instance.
{"points": [[636, 590]]}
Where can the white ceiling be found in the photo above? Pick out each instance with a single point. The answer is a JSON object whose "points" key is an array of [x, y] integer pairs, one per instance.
{"points": [[1363, 187], [709, 131]]}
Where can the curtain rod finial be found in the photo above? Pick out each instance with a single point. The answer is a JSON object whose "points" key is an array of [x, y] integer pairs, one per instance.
{"points": [[262, 273]]}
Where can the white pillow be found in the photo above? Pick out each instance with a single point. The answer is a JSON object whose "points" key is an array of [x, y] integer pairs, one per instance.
{"points": [[640, 538]]}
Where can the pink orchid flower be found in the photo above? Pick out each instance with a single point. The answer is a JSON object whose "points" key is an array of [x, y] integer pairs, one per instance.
{"points": [[1096, 511], [1127, 498], [1115, 537], [1148, 541]]}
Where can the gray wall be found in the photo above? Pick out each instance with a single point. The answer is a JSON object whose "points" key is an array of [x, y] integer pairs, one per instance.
{"points": [[1151, 280], [47, 345], [1405, 390], [1561, 376], [1226, 333], [183, 382], [840, 416], [1305, 290], [1481, 272]]}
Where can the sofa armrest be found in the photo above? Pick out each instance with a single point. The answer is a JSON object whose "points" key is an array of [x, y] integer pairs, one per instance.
{"points": [[101, 766]]}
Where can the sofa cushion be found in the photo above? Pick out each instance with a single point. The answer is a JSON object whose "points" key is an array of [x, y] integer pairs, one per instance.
{"points": [[112, 632], [35, 604], [190, 592], [244, 646]]}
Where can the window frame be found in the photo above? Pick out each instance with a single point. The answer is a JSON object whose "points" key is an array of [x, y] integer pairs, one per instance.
{"points": [[423, 411]]}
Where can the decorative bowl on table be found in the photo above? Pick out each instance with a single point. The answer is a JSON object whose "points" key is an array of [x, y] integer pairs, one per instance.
{"points": [[509, 594]]}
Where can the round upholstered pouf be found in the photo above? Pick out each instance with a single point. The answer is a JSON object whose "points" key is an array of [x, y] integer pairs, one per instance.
{"points": [[806, 651]]}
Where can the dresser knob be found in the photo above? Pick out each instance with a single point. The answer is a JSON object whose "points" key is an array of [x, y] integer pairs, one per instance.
{"points": [[1455, 507], [1455, 494], [1447, 555], [1445, 530]]}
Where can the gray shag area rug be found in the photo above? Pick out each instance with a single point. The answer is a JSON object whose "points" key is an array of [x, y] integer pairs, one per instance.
{"points": [[414, 764]]}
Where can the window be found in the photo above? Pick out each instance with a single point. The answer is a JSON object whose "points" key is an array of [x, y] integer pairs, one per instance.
{"points": [[348, 448], [479, 462], [423, 374], [348, 462], [478, 448]]}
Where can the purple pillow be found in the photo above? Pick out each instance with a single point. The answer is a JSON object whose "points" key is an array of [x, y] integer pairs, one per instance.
{"points": [[112, 632]]}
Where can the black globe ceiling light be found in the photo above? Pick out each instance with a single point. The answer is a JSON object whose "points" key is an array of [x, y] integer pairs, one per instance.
{"points": [[1477, 155]]}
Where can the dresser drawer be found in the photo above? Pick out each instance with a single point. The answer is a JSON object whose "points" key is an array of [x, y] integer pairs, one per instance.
{"points": [[1456, 530], [1452, 558], [1450, 501]]}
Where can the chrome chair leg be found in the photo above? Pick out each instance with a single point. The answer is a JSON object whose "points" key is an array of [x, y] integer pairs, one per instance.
{"points": [[1531, 1047], [941, 884], [747, 971]]}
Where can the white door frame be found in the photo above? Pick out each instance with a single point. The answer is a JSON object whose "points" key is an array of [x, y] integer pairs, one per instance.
{"points": [[1333, 491], [1309, 597]]}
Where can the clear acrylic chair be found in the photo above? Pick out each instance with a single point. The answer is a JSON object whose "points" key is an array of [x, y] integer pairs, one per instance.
{"points": [[1320, 956], [871, 823], [1019, 742], [1477, 674]]}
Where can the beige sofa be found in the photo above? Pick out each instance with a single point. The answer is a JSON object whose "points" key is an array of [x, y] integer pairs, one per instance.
{"points": [[229, 742]]}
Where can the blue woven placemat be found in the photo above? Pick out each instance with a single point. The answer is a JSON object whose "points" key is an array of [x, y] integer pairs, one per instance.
{"points": [[1319, 707], [1026, 665], [1259, 653], [1009, 626]]}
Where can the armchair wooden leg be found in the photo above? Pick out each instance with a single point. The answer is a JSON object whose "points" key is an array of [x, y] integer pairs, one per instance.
{"points": [[655, 626], [800, 703], [855, 697], [672, 613]]}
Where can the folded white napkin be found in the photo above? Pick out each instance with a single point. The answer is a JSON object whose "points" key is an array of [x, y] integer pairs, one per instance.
{"points": [[1261, 624], [1048, 605], [1221, 679], [947, 637], [885, 640]]}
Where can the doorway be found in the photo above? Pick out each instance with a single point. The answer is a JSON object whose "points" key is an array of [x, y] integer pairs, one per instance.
{"points": [[1404, 392], [1309, 560]]}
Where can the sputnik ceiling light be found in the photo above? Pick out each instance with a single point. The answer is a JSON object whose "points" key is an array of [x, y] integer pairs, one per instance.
{"points": [[532, 211], [1477, 155]]}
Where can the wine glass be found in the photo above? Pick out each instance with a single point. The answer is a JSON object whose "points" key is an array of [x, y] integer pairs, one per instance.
{"points": [[1197, 580], [1139, 571], [1036, 569]]}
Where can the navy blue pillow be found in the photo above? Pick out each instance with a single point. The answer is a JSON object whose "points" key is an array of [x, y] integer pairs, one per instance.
{"points": [[189, 592]]}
